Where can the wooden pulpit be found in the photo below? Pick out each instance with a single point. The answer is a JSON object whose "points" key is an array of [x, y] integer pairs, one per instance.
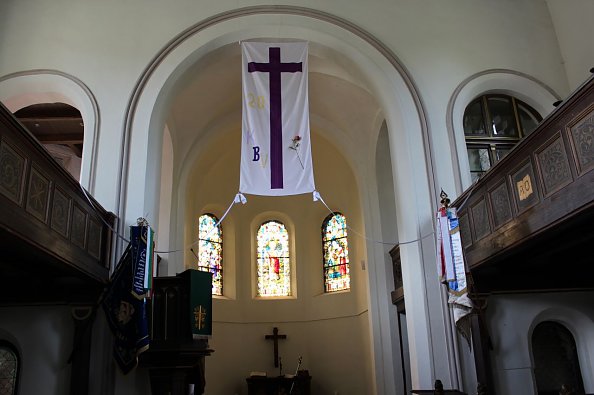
{"points": [[176, 356]]}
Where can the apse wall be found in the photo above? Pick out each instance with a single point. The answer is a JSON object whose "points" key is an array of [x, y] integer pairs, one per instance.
{"points": [[330, 331]]}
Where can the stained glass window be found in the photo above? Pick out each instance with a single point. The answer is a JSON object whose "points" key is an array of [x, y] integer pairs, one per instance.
{"points": [[274, 266], [210, 250], [336, 253], [9, 369]]}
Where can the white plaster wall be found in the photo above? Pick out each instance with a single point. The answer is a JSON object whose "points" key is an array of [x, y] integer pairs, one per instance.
{"points": [[107, 45], [572, 20], [44, 339], [511, 319], [331, 348], [386, 203]]}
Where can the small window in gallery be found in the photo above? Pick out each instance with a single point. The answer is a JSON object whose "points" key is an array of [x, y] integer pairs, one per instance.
{"points": [[274, 265], [9, 369], [210, 250], [493, 125], [335, 251]]}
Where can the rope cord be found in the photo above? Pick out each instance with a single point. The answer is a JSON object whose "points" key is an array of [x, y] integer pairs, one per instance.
{"points": [[317, 197], [240, 198]]}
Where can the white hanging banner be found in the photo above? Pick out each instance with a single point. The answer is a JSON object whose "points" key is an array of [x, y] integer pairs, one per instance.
{"points": [[276, 145], [451, 266]]}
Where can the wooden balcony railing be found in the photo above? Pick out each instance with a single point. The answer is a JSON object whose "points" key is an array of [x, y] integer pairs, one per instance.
{"points": [[55, 239], [533, 210]]}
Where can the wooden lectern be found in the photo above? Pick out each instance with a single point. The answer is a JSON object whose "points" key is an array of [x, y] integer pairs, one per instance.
{"points": [[175, 357]]}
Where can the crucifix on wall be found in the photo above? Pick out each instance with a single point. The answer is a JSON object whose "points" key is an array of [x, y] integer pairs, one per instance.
{"points": [[274, 337]]}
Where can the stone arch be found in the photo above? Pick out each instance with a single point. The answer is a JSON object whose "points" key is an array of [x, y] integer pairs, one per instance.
{"points": [[171, 60], [402, 109]]}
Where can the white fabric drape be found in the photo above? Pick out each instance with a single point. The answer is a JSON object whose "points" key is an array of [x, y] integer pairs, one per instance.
{"points": [[276, 146]]}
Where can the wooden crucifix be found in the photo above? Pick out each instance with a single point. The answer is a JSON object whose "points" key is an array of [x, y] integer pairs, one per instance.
{"points": [[275, 336]]}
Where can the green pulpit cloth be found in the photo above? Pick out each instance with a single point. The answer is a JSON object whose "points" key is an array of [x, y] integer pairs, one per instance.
{"points": [[200, 301]]}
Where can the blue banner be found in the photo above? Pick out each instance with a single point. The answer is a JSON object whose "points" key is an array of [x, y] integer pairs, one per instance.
{"points": [[141, 239], [126, 315]]}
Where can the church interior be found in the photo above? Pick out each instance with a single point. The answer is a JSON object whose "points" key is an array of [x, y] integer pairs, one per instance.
{"points": [[115, 112]]}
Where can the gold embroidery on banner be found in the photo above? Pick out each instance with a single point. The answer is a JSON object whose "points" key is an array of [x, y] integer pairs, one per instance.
{"points": [[525, 187], [199, 317]]}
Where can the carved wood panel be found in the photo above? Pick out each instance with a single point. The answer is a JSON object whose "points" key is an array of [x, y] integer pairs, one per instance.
{"points": [[500, 204], [94, 244], [79, 227], [465, 232], [46, 215], [582, 137], [480, 219], [60, 218], [553, 165], [38, 194], [12, 172]]}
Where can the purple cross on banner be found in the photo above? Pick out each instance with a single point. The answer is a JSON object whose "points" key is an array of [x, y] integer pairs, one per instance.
{"points": [[276, 145], [275, 67]]}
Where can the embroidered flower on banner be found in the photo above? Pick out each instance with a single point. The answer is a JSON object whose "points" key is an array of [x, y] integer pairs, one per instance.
{"points": [[295, 142]]}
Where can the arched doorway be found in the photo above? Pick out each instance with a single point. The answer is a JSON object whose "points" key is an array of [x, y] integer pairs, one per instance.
{"points": [[556, 360]]}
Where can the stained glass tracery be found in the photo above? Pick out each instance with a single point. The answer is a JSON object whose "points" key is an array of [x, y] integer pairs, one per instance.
{"points": [[336, 253], [210, 250], [274, 266], [9, 369]]}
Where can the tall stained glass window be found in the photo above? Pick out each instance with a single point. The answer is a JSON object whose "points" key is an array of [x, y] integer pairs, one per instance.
{"points": [[9, 369], [336, 253], [274, 265], [210, 250]]}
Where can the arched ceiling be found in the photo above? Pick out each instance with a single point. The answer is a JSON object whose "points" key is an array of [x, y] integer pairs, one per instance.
{"points": [[206, 100]]}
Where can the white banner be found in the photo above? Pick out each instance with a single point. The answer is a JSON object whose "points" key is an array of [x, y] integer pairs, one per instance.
{"points": [[276, 145], [452, 269]]}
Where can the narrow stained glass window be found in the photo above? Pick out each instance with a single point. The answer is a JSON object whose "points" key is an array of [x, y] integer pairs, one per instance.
{"points": [[336, 253], [210, 250], [9, 369], [274, 266]]}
